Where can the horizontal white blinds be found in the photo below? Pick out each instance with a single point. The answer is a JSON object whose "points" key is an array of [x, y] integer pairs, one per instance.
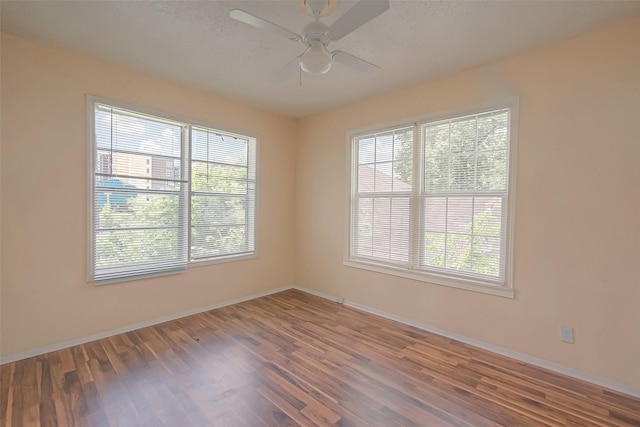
{"points": [[464, 196], [139, 195], [381, 203], [464, 234], [222, 194], [450, 219], [166, 192], [467, 154]]}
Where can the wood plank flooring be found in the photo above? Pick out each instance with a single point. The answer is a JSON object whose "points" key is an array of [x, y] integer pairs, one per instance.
{"points": [[294, 359]]}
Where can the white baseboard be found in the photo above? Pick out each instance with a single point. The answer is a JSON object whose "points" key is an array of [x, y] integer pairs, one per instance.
{"points": [[489, 347], [129, 328], [318, 294]]}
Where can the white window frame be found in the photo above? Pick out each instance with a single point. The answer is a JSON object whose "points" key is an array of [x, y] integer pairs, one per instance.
{"points": [[189, 123], [500, 288]]}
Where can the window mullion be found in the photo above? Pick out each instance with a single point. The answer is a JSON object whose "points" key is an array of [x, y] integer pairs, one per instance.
{"points": [[186, 168], [473, 223], [354, 220], [504, 244], [416, 237]]}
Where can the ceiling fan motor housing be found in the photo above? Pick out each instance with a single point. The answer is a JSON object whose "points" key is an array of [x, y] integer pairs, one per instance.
{"points": [[315, 31]]}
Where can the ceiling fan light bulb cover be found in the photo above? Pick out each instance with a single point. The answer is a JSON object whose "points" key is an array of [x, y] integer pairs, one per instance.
{"points": [[316, 60]]}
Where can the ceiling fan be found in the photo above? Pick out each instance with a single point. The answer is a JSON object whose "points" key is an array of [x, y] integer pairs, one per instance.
{"points": [[316, 36]]}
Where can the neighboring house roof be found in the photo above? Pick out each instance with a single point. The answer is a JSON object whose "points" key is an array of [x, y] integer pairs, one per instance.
{"points": [[370, 180], [456, 215]]}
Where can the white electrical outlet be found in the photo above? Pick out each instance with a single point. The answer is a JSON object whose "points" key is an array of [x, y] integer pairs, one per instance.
{"points": [[566, 334]]}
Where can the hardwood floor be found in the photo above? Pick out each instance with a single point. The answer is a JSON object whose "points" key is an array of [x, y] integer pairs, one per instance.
{"points": [[294, 359]]}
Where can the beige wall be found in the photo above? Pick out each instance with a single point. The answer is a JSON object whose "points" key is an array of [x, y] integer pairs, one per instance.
{"points": [[45, 299], [577, 236]]}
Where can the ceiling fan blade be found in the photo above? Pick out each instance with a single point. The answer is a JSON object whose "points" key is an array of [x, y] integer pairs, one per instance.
{"points": [[288, 72], [354, 62], [363, 12], [254, 21]]}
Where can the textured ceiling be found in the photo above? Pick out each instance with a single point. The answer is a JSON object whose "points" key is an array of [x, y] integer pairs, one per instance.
{"points": [[197, 44]]}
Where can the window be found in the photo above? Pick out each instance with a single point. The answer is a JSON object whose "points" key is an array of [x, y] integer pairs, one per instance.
{"points": [[433, 200], [222, 194], [200, 209]]}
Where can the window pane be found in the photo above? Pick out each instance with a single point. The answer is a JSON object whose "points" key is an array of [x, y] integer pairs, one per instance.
{"points": [[366, 150], [400, 229], [403, 160], [434, 249], [487, 217], [123, 163], [218, 210], [492, 170], [118, 210], [485, 257], [436, 139], [402, 176], [199, 145], [381, 227], [435, 214], [365, 178], [381, 224], [384, 147], [124, 131], [466, 154], [469, 155], [217, 178], [493, 131], [121, 248], [210, 146], [463, 135], [223, 194], [459, 215], [472, 229], [363, 217], [383, 177], [139, 223], [436, 174], [462, 172], [208, 242], [458, 256]]}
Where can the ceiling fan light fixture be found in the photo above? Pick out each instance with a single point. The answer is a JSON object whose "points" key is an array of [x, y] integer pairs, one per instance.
{"points": [[316, 60]]}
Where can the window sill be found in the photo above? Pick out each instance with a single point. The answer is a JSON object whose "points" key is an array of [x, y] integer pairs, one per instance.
{"points": [[191, 264], [134, 277], [222, 259], [454, 282]]}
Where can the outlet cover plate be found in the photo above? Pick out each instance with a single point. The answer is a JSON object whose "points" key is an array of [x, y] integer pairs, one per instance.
{"points": [[566, 334]]}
